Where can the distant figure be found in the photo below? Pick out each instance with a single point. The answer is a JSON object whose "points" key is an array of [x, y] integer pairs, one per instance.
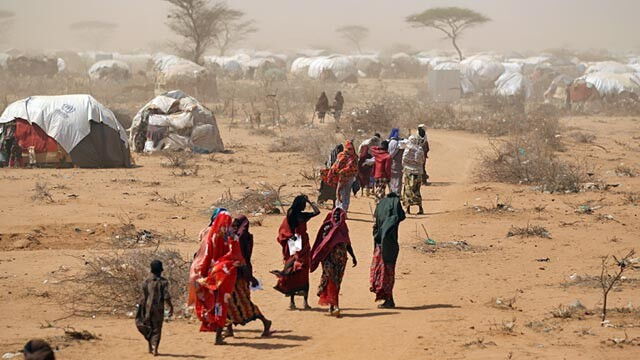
{"points": [[330, 249], [424, 141], [241, 309], [412, 168], [296, 251], [388, 216], [342, 175], [322, 107], [366, 163], [150, 316], [381, 169], [395, 152], [338, 105], [213, 273], [38, 349]]}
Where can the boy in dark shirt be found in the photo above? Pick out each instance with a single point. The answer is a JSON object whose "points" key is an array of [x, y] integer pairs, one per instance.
{"points": [[155, 290]]}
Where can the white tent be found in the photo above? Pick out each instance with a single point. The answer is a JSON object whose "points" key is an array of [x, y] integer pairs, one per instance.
{"points": [[482, 70], [610, 84], [342, 67], [184, 121], [110, 70], [70, 119], [611, 67], [513, 84]]}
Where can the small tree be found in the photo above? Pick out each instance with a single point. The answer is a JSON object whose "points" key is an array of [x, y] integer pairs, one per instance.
{"points": [[198, 23], [354, 34], [450, 20], [233, 29], [608, 280], [93, 33]]}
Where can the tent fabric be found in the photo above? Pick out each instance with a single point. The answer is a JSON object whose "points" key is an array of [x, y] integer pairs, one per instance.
{"points": [[67, 118], [613, 84], [609, 67], [110, 70], [513, 84], [183, 117], [102, 148], [32, 136], [482, 70]]}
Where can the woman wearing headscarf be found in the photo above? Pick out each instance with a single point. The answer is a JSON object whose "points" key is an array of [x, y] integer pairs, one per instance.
{"points": [[322, 106], [381, 169], [330, 249], [365, 163], [395, 153], [424, 142], [241, 309], [296, 251], [213, 273], [388, 216], [413, 166], [338, 105], [342, 174], [327, 192]]}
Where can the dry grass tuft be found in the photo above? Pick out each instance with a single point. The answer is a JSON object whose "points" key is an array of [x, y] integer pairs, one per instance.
{"points": [[582, 137], [266, 199], [624, 170], [529, 231], [182, 161], [42, 193]]}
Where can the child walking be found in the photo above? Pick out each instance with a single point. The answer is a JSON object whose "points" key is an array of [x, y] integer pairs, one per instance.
{"points": [[150, 316]]}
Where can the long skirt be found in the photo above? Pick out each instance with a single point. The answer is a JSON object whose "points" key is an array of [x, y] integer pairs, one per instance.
{"points": [[382, 276], [293, 282], [380, 190], [395, 183], [411, 192], [332, 272], [241, 309]]}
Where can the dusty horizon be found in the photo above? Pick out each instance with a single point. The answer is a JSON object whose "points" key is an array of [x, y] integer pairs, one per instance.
{"points": [[515, 25]]}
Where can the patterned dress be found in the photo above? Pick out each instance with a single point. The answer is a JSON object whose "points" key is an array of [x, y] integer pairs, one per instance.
{"points": [[332, 273]]}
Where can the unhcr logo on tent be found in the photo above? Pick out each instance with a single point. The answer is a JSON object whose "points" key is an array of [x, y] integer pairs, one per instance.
{"points": [[68, 109]]}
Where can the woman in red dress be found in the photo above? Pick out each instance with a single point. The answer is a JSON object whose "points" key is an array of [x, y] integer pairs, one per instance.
{"points": [[213, 273], [330, 249], [296, 251]]}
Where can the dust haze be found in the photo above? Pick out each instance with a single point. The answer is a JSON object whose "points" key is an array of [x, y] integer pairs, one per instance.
{"points": [[291, 24]]}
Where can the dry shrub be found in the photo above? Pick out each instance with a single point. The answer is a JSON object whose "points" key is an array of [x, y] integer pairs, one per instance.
{"points": [[42, 193], [582, 137], [503, 303], [182, 161], [563, 312], [523, 160], [631, 198], [111, 283], [529, 231], [624, 170], [175, 199], [265, 199]]}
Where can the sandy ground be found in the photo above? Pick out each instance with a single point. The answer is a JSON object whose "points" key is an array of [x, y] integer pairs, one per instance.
{"points": [[443, 297]]}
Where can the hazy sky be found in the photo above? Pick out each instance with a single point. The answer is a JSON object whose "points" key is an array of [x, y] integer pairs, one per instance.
{"points": [[290, 24]]}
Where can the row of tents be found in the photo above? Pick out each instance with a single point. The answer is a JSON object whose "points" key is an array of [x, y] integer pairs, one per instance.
{"points": [[76, 130]]}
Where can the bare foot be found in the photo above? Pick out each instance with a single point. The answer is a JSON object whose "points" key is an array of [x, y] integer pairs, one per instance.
{"points": [[267, 329], [307, 307], [292, 306]]}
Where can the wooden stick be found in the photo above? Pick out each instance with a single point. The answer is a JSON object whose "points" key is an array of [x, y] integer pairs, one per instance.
{"points": [[425, 231]]}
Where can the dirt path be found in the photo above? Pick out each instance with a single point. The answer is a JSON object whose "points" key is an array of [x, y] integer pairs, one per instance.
{"points": [[442, 297]]}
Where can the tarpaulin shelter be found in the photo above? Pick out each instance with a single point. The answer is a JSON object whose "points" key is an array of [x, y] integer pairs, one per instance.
{"points": [[74, 129], [175, 121], [112, 70]]}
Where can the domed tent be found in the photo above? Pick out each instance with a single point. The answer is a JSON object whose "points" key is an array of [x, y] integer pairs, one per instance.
{"points": [[178, 73], [59, 130], [175, 121], [112, 70]]}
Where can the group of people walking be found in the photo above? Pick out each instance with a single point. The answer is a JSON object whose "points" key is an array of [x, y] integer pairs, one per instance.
{"points": [[221, 274], [394, 165]]}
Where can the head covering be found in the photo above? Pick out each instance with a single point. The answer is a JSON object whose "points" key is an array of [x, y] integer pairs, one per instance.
{"points": [[395, 134], [38, 349], [156, 267], [345, 167], [332, 232], [334, 154], [215, 213], [297, 207], [413, 156], [241, 227]]}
